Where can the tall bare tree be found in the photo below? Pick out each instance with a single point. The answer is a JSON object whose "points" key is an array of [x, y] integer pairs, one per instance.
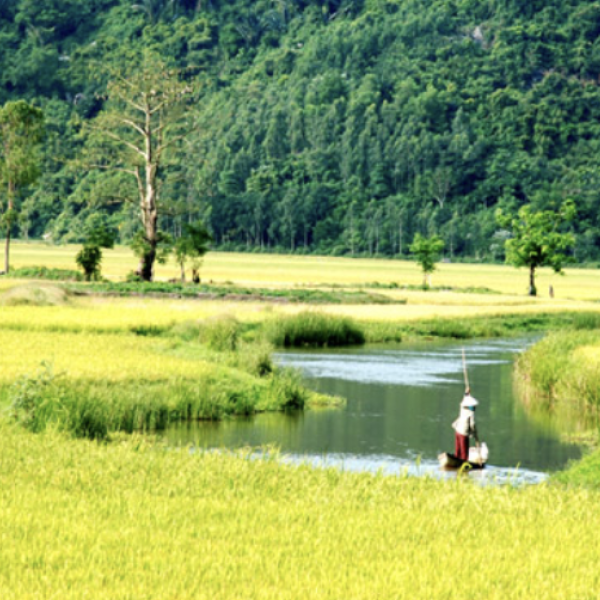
{"points": [[144, 120]]}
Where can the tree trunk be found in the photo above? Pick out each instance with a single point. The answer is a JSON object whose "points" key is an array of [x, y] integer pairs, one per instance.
{"points": [[7, 250], [10, 208], [149, 255], [532, 290], [147, 262]]}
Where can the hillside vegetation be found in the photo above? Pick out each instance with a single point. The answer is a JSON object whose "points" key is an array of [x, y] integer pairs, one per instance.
{"points": [[331, 126]]}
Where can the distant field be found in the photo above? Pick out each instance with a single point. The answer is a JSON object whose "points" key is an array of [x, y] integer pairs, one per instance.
{"points": [[577, 290]]}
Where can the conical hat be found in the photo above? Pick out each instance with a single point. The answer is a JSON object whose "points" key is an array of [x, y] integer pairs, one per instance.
{"points": [[468, 400]]}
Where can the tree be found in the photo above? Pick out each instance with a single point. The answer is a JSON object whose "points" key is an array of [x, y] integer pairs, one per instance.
{"points": [[426, 251], [21, 131], [193, 244], [536, 240], [144, 118], [98, 235]]}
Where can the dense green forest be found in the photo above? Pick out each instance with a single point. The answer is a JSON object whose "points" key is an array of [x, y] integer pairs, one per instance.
{"points": [[329, 126]]}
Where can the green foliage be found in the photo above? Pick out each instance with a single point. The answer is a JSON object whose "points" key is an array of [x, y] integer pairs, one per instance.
{"points": [[192, 245], [341, 127], [134, 285], [98, 235], [21, 132], [220, 333], [310, 328], [89, 258], [427, 252], [46, 273], [537, 240], [551, 373]]}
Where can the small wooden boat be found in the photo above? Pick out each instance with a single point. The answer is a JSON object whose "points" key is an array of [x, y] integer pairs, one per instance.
{"points": [[451, 461]]}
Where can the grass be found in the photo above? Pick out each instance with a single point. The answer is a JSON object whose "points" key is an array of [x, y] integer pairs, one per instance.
{"points": [[42, 272], [134, 520], [562, 373], [314, 329], [231, 292], [94, 384], [35, 295]]}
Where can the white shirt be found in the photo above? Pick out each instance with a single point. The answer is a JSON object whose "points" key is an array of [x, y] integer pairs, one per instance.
{"points": [[465, 424]]}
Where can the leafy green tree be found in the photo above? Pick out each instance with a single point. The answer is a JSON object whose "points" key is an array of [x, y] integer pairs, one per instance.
{"points": [[537, 240], [98, 235], [145, 117], [192, 245], [21, 131], [427, 252]]}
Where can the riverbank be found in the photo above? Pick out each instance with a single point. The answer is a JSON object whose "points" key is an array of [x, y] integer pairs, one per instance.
{"points": [[562, 371], [560, 375]]}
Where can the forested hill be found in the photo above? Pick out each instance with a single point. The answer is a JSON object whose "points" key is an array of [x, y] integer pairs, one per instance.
{"points": [[333, 126]]}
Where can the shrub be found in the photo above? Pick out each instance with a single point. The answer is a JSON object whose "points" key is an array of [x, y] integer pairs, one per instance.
{"points": [[315, 329]]}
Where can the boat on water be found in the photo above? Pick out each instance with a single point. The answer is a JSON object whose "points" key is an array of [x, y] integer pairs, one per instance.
{"points": [[451, 461], [477, 458]]}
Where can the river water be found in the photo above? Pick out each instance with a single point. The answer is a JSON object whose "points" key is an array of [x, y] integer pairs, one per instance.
{"points": [[401, 403]]}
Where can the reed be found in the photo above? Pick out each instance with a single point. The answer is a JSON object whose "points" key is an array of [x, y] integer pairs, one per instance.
{"points": [[95, 384], [310, 328], [562, 370]]}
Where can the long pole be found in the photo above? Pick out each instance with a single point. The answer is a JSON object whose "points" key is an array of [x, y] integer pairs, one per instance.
{"points": [[468, 391], [466, 375]]}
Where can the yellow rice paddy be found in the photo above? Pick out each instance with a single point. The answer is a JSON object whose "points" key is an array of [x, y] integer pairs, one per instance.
{"points": [[132, 520], [289, 271]]}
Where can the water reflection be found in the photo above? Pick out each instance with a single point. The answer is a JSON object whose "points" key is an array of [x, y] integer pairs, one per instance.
{"points": [[401, 403]]}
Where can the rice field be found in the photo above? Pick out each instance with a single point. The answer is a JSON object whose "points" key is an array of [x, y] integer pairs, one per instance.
{"points": [[289, 271], [131, 520]]}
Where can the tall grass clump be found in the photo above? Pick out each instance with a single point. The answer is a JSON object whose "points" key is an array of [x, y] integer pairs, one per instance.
{"points": [[220, 333], [254, 357], [42, 272], [95, 409], [586, 321], [561, 370], [309, 328]]}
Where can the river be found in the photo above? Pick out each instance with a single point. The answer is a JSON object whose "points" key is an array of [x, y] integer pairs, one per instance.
{"points": [[401, 403]]}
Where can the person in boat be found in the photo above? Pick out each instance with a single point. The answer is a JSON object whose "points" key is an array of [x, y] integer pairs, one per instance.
{"points": [[464, 426]]}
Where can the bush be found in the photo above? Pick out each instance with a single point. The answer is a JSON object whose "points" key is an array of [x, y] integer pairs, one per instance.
{"points": [[315, 329]]}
